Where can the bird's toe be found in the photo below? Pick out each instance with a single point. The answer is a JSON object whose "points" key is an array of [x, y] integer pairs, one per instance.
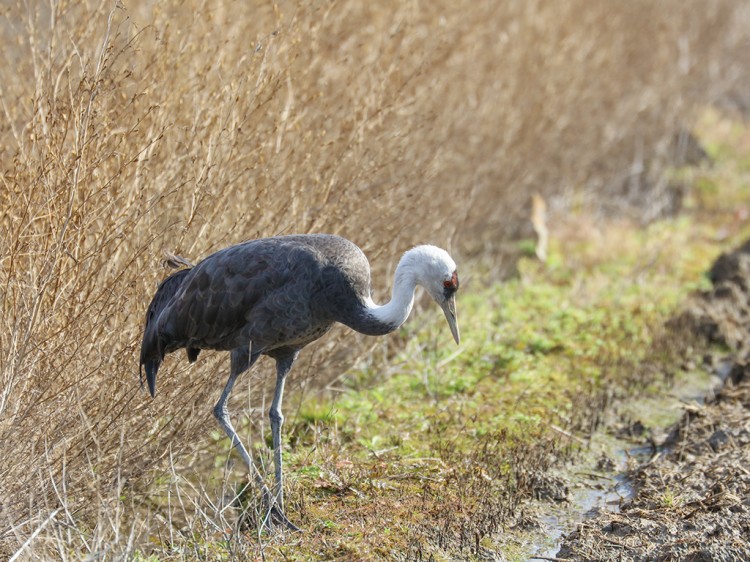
{"points": [[280, 520]]}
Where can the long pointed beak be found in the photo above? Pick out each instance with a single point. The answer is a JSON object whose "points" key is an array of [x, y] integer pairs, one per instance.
{"points": [[449, 308]]}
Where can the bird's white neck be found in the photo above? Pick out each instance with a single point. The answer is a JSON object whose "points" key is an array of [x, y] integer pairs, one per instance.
{"points": [[397, 310]]}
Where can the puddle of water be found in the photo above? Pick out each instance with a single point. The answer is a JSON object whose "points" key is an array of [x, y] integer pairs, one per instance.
{"points": [[595, 495]]}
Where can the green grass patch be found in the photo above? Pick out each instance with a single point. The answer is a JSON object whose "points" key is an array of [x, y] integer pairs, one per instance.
{"points": [[527, 344]]}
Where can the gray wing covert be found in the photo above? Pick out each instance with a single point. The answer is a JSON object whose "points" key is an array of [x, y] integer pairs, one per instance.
{"points": [[212, 310]]}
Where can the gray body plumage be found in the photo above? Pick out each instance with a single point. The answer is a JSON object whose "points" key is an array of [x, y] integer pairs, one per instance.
{"points": [[281, 292], [273, 296]]}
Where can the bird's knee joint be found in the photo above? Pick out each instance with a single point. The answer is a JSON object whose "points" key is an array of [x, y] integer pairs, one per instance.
{"points": [[276, 415], [220, 413]]}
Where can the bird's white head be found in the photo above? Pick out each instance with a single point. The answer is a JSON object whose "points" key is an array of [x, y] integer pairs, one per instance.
{"points": [[435, 270]]}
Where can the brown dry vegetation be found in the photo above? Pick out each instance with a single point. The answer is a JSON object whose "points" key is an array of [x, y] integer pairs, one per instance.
{"points": [[129, 130]]}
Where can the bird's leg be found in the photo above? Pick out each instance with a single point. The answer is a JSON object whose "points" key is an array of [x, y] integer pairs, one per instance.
{"points": [[283, 365], [241, 361]]}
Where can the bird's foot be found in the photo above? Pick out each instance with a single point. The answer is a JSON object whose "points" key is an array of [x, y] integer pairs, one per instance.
{"points": [[277, 518]]}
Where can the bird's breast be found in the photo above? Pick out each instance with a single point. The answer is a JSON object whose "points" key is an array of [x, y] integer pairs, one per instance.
{"points": [[308, 335]]}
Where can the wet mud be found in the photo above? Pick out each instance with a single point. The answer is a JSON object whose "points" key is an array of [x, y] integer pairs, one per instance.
{"points": [[690, 496]]}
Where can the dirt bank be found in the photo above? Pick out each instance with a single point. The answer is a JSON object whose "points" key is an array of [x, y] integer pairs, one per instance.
{"points": [[693, 496]]}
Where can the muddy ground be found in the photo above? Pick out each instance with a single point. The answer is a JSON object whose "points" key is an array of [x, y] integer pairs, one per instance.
{"points": [[692, 497]]}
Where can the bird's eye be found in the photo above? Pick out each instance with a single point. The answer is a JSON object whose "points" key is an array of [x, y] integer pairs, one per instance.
{"points": [[448, 284]]}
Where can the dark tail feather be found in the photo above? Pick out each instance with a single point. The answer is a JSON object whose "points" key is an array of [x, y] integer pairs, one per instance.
{"points": [[152, 367], [153, 345]]}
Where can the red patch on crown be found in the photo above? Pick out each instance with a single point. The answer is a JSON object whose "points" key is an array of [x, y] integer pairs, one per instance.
{"points": [[452, 283]]}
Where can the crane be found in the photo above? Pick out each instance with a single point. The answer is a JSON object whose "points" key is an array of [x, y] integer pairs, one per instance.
{"points": [[273, 296]]}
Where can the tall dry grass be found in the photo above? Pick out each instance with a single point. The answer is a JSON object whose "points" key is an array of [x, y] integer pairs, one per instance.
{"points": [[131, 129]]}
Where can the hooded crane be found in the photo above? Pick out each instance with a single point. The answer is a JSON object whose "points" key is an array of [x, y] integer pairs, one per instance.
{"points": [[273, 296]]}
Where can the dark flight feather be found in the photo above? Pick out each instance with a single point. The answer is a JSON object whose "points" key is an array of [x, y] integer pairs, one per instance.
{"points": [[152, 352]]}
